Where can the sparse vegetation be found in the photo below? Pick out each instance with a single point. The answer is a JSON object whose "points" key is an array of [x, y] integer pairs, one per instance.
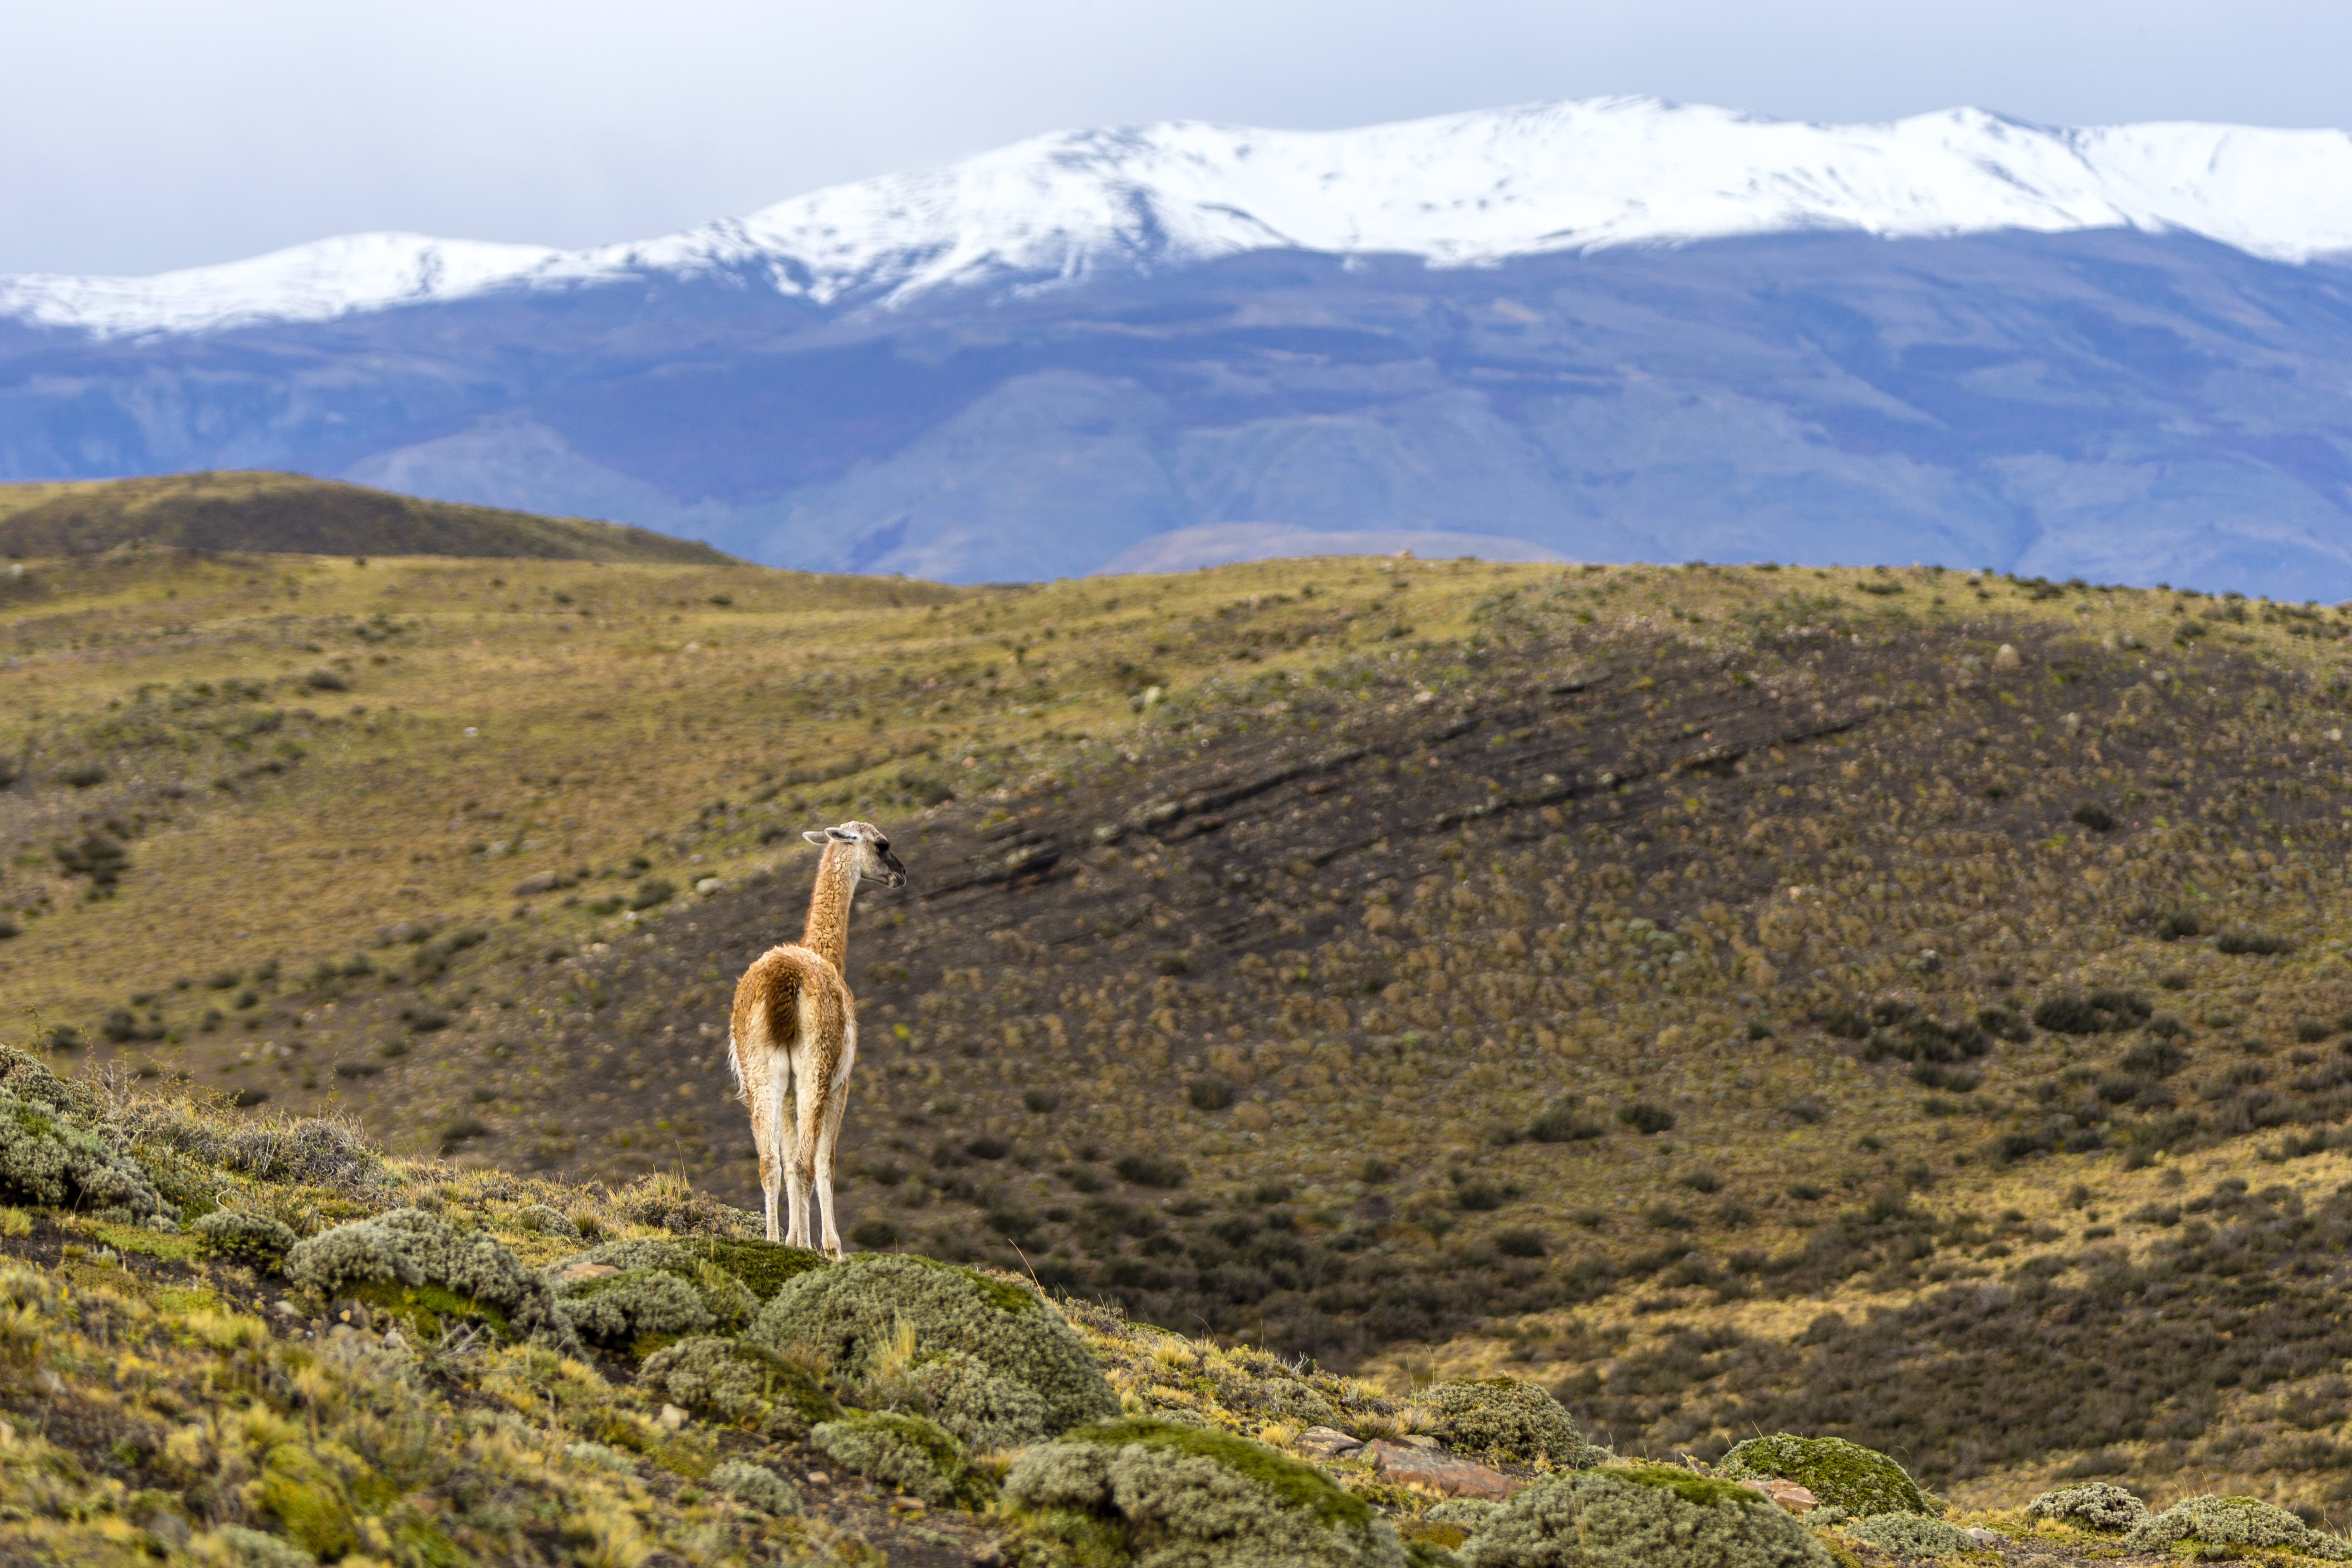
{"points": [[1799, 875]]}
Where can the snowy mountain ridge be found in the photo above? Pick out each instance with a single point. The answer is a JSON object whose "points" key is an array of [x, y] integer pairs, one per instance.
{"points": [[1457, 190]]}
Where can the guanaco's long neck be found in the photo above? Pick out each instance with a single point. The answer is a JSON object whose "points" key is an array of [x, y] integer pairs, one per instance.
{"points": [[827, 931]]}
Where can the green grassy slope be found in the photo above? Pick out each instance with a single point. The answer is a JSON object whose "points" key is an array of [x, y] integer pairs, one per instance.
{"points": [[262, 512], [166, 1397], [1731, 995]]}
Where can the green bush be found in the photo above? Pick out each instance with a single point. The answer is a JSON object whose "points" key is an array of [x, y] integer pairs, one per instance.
{"points": [[663, 1287], [916, 1456], [45, 1159], [1911, 1535], [1840, 1474], [851, 1312], [1506, 1420], [1646, 1118], [1177, 1496], [544, 1219], [2097, 1506], [27, 1079], [618, 1309], [253, 1240], [755, 1485], [741, 1383], [2213, 1521], [419, 1266], [1640, 1516]]}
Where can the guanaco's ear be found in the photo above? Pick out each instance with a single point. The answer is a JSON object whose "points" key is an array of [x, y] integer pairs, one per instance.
{"points": [[837, 833], [814, 836]]}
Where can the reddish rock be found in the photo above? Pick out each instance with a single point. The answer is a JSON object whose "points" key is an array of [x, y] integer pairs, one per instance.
{"points": [[1440, 1472], [1787, 1494]]}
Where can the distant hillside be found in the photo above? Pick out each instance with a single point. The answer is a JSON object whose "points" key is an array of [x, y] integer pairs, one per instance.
{"points": [[1903, 1006], [294, 514]]}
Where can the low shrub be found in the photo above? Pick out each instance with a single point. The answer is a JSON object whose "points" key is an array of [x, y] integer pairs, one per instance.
{"points": [[2097, 1506], [2212, 1521], [755, 1485], [316, 1151], [1163, 1493], [659, 1287], [2068, 1012], [853, 1314], [618, 1310], [419, 1266], [544, 1219], [1647, 1119], [1506, 1420], [908, 1452], [47, 1159], [741, 1383], [666, 1201], [2263, 943], [1911, 1535], [1564, 1124], [1150, 1170], [1840, 1474], [959, 1392], [1641, 1516], [255, 1240]]}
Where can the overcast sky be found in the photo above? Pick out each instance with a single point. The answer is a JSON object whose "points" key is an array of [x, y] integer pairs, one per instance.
{"points": [[137, 136]]}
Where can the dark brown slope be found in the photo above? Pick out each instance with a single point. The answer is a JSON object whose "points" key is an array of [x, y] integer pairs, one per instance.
{"points": [[293, 514], [1147, 1023]]}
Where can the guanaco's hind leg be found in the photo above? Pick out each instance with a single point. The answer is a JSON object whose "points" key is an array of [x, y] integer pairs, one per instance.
{"points": [[829, 1140], [797, 1123]]}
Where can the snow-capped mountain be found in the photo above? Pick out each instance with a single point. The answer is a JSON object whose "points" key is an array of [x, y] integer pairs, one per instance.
{"points": [[1611, 329], [1457, 190]]}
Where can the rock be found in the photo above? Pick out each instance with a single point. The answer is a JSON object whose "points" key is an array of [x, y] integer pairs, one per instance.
{"points": [[1326, 1443], [671, 1417], [1787, 1494], [572, 1272], [2005, 657], [1991, 1540], [1440, 1472]]}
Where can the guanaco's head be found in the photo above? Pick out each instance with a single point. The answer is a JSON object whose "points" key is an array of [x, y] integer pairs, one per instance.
{"points": [[868, 850]]}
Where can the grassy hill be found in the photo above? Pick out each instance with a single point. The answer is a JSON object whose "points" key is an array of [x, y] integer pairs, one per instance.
{"points": [[256, 1341], [275, 513], [1900, 1005]]}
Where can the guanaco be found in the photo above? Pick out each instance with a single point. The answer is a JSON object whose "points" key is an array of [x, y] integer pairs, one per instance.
{"points": [[793, 1033]]}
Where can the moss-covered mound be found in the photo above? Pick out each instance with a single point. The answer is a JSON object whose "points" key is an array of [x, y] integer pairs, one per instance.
{"points": [[47, 1159], [733, 1277], [855, 1312], [635, 1304], [1840, 1474], [739, 1382], [255, 1240], [2096, 1506], [419, 1266], [2212, 1520], [643, 1293], [1507, 1421], [917, 1457], [1911, 1535], [1163, 1495], [1640, 1516]]}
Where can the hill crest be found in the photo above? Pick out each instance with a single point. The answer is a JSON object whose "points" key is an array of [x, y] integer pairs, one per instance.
{"points": [[276, 513]]}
